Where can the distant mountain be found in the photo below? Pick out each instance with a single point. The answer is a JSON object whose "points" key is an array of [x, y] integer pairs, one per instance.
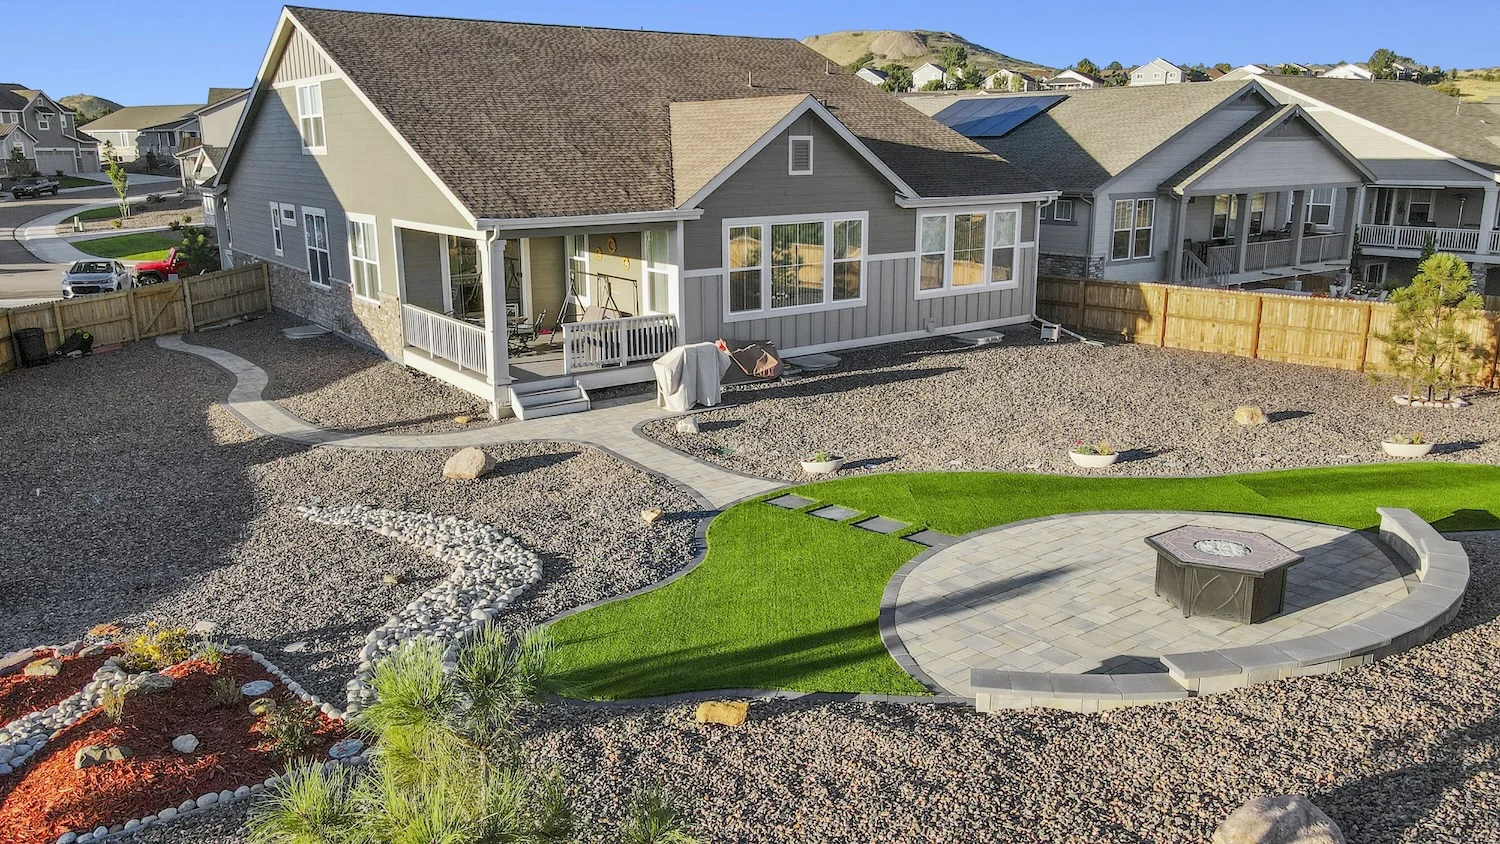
{"points": [[912, 48], [88, 106]]}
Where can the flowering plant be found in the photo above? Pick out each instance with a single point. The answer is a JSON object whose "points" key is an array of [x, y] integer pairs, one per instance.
{"points": [[1102, 447], [1415, 438]]}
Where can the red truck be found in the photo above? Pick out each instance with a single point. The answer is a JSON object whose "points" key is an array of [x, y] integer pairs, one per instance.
{"points": [[155, 272]]}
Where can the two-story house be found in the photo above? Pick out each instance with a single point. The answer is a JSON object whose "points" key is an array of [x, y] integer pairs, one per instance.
{"points": [[1436, 165], [135, 130], [45, 132], [444, 197], [1158, 71], [929, 73], [199, 162], [1071, 80], [1214, 184]]}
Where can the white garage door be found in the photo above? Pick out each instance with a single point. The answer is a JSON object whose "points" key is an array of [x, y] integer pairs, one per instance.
{"points": [[48, 163]]}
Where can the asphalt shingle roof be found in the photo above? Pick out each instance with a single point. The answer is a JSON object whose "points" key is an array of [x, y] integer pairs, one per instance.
{"points": [[1416, 111], [528, 120], [141, 117], [708, 136], [1094, 135]]}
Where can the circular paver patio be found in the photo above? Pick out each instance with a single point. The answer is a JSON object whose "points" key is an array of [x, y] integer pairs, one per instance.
{"points": [[1075, 594]]}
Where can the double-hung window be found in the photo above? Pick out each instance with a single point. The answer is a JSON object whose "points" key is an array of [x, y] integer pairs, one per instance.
{"points": [[1133, 222], [794, 265], [1062, 211], [310, 118], [967, 250], [1320, 207], [364, 258], [43, 120], [658, 271], [315, 235], [276, 242]]}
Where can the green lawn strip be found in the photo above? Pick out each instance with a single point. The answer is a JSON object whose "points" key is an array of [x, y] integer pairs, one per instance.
{"points": [[76, 182], [786, 600], [139, 246], [109, 213]]}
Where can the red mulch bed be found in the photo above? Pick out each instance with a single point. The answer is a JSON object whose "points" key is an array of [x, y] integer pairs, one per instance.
{"points": [[52, 797], [20, 694]]}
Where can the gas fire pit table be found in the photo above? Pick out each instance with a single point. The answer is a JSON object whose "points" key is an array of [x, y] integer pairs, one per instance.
{"points": [[1211, 572]]}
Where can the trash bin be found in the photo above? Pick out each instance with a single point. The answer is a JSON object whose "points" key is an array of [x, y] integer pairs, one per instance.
{"points": [[31, 343]]}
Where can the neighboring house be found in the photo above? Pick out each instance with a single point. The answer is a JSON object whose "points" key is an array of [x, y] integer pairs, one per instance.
{"points": [[199, 163], [135, 130], [657, 188], [13, 137], [1158, 71], [45, 131], [1011, 80], [1436, 167], [1071, 80], [1402, 72], [1244, 72], [1348, 71], [1197, 184], [872, 76], [928, 73]]}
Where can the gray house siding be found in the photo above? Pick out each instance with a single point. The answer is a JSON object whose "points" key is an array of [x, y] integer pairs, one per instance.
{"points": [[422, 262], [1291, 156], [841, 181], [217, 125], [364, 171]]}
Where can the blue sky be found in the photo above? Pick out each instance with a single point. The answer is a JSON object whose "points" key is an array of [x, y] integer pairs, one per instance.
{"points": [[226, 48]]}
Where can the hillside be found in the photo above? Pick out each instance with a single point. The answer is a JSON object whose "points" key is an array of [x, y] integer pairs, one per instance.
{"points": [[88, 106], [911, 48], [1480, 84]]}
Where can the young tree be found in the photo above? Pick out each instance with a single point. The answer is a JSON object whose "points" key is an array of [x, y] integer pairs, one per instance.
{"points": [[1086, 66], [1429, 248], [1429, 346], [1223, 67], [1016, 84], [934, 85], [17, 163], [200, 253], [971, 77], [954, 55], [117, 177], [1289, 70], [897, 77], [152, 162]]}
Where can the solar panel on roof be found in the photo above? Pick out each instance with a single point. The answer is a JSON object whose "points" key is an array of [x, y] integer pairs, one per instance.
{"points": [[987, 117]]}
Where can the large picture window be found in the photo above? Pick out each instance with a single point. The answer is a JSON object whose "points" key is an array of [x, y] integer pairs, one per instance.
{"points": [[1134, 219], [364, 259], [310, 117], [967, 250], [315, 233], [793, 265]]}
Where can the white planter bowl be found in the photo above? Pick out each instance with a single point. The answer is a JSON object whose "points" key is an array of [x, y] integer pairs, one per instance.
{"points": [[1093, 461], [822, 467], [1407, 449]]}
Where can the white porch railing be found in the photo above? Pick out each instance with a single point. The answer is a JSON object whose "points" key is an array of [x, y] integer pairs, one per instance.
{"points": [[453, 340], [1323, 247], [1265, 254], [588, 345], [1414, 237], [1495, 242]]}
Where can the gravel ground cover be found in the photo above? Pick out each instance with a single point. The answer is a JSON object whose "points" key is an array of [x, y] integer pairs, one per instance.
{"points": [[124, 501], [1022, 404], [143, 215], [336, 384], [1405, 750]]}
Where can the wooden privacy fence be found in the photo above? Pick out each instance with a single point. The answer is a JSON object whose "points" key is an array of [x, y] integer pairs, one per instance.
{"points": [[172, 307], [1311, 331]]}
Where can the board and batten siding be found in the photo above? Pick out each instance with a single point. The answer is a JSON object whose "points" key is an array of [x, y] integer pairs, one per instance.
{"points": [[891, 310], [1291, 155], [302, 59], [842, 180]]}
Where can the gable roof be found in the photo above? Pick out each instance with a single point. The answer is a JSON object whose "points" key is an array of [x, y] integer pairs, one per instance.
{"points": [[141, 117], [218, 95], [11, 98], [530, 120], [1247, 134], [708, 136], [1413, 110], [1091, 136], [1075, 74], [7, 129]]}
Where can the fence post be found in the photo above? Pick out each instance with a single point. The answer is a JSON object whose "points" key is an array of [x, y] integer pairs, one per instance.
{"points": [[57, 322], [187, 303], [1364, 335], [135, 323], [1083, 289], [1166, 302], [1260, 304], [265, 277]]}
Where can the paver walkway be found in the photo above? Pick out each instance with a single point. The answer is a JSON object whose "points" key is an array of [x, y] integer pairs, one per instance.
{"points": [[1075, 594], [610, 428]]}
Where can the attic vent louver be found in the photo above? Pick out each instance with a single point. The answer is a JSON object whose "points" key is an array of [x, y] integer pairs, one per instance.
{"points": [[800, 155]]}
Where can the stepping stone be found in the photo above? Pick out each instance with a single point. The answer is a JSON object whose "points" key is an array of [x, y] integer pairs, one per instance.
{"points": [[303, 332], [814, 363], [931, 539], [880, 524], [835, 513], [790, 502]]}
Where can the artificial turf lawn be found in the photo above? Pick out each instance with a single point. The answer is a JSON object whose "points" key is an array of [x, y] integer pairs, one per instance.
{"points": [[141, 246], [785, 600]]}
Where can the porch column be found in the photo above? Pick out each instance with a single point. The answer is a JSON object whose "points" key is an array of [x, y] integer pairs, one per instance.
{"points": [[1354, 205], [1179, 229], [492, 275], [1241, 229], [1489, 220], [1299, 224], [221, 228]]}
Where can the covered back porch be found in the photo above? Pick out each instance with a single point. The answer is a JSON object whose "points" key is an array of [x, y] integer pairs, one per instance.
{"points": [[1240, 238], [505, 313]]}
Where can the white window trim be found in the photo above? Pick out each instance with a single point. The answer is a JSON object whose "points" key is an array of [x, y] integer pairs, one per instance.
{"points": [[791, 155], [288, 215], [322, 148], [1135, 202], [43, 121], [1332, 205], [988, 286], [650, 268], [278, 237], [1430, 202], [308, 248], [765, 311], [1057, 206], [364, 219]]}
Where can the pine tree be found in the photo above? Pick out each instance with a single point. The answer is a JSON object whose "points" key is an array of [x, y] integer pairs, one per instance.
{"points": [[1429, 345]]}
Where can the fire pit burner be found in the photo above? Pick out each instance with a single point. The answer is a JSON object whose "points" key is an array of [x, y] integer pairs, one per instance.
{"points": [[1222, 548], [1220, 573]]}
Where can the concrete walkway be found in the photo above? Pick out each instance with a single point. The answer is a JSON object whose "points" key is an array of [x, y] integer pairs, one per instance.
{"points": [[40, 236], [609, 428]]}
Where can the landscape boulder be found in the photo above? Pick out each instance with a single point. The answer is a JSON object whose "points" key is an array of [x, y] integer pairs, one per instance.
{"points": [[728, 713], [688, 425], [47, 667], [256, 688], [651, 515], [185, 743], [1248, 416], [97, 754], [468, 464], [1288, 819], [150, 683], [12, 663]]}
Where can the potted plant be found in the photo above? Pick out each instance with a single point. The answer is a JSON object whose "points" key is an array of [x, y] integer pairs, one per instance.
{"points": [[1095, 456], [822, 463], [1402, 445]]}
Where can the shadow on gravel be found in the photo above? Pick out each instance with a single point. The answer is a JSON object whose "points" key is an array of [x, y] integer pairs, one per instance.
{"points": [[820, 385], [531, 464], [1456, 447], [1130, 455], [1287, 415]]}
